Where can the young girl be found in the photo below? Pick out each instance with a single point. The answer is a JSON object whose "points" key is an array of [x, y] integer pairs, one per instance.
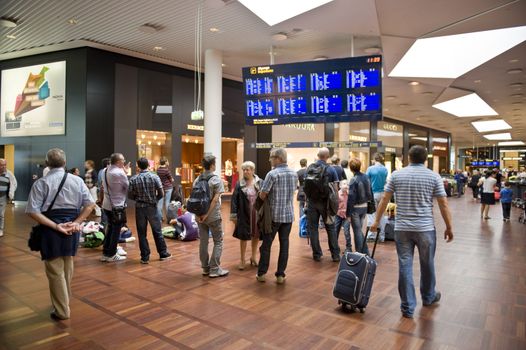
{"points": [[341, 216]]}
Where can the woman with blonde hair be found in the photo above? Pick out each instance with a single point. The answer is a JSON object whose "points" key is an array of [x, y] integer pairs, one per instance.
{"points": [[243, 212]]}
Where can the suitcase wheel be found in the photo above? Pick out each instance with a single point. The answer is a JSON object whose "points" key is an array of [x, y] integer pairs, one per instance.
{"points": [[361, 310]]}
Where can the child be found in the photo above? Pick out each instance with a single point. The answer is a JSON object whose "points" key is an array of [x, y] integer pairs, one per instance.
{"points": [[341, 216], [505, 199]]}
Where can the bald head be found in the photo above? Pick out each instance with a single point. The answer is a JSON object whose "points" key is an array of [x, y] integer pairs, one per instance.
{"points": [[323, 153]]}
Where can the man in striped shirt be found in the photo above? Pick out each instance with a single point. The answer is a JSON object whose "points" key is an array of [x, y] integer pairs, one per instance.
{"points": [[415, 186]]}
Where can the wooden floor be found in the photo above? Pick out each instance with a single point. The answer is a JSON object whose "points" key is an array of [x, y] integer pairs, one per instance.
{"points": [[169, 305]]}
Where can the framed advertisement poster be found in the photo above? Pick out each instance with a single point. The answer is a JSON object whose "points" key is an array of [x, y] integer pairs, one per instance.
{"points": [[33, 101]]}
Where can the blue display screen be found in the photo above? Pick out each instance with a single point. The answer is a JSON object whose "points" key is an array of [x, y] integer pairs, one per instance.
{"points": [[325, 81], [292, 83], [326, 104], [259, 86], [292, 106], [361, 102], [337, 90], [260, 108], [363, 78]]}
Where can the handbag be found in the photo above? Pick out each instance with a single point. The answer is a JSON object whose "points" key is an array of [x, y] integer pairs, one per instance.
{"points": [[118, 213], [35, 236], [371, 207]]}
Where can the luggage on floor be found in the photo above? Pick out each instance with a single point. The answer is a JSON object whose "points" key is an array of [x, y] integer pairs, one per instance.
{"points": [[93, 239], [169, 232], [497, 195], [354, 280], [125, 235], [172, 212], [389, 230]]}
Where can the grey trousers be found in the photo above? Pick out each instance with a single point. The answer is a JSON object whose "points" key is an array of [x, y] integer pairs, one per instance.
{"points": [[211, 263], [3, 203]]}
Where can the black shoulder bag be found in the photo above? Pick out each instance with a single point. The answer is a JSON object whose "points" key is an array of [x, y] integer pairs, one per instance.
{"points": [[35, 236], [118, 214]]}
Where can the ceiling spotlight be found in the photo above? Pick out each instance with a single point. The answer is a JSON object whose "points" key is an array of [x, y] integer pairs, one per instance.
{"points": [[10, 36], [196, 141], [414, 83], [390, 97], [7, 23], [279, 36], [514, 71], [158, 48], [403, 105], [516, 85], [73, 21], [372, 50], [513, 60], [320, 58], [214, 30], [223, 65], [427, 93], [478, 81]]}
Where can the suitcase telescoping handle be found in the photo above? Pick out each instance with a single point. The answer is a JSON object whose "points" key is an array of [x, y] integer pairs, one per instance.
{"points": [[375, 240]]}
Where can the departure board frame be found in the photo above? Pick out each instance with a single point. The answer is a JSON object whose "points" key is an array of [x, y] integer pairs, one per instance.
{"points": [[329, 91]]}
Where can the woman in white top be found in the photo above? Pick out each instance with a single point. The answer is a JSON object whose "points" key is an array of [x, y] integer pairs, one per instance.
{"points": [[488, 193]]}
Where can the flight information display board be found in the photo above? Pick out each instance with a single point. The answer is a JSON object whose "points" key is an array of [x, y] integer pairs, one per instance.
{"points": [[339, 90]]}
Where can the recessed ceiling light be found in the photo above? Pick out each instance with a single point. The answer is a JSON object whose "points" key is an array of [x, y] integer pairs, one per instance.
{"points": [[516, 85], [516, 95], [279, 37], [223, 65], [158, 48], [372, 50], [10, 36], [427, 93], [514, 71], [491, 125], [276, 11], [7, 23], [453, 55], [403, 105], [414, 110], [513, 60], [503, 136], [414, 83], [466, 106], [320, 58], [149, 28], [511, 143], [214, 30], [390, 97], [478, 81], [73, 21]]}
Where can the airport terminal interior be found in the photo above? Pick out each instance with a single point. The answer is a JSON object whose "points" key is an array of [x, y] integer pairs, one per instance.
{"points": [[161, 85]]}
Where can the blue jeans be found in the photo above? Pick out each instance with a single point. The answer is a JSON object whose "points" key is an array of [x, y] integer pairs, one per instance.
{"points": [[164, 202], [111, 239], [283, 231], [405, 247], [143, 216], [357, 218], [338, 224], [314, 211]]}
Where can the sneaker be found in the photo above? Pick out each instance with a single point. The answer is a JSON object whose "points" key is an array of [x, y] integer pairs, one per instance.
{"points": [[165, 256], [260, 278], [104, 258], [280, 279], [336, 258], [114, 258], [219, 273], [145, 261], [407, 315], [205, 272], [121, 251], [438, 295]]}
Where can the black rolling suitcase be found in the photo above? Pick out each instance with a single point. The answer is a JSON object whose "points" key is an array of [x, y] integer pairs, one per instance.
{"points": [[354, 280]]}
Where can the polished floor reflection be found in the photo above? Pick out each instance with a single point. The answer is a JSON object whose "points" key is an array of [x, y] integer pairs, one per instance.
{"points": [[169, 305]]}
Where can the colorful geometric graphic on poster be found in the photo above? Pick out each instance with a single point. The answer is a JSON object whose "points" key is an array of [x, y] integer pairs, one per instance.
{"points": [[33, 101]]}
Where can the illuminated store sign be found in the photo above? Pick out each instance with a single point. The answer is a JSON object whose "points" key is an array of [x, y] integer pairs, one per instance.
{"points": [[357, 138], [195, 127], [391, 127]]}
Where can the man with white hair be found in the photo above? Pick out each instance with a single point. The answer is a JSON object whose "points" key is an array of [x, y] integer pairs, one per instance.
{"points": [[320, 176], [278, 188], [7, 190]]}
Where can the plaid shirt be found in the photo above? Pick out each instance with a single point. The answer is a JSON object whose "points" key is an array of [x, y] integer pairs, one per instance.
{"points": [[143, 188], [280, 184]]}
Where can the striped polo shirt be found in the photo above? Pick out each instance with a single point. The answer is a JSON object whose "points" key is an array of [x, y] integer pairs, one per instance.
{"points": [[4, 185], [414, 187]]}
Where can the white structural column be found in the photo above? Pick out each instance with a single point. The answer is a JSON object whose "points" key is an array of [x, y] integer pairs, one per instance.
{"points": [[344, 131], [213, 105]]}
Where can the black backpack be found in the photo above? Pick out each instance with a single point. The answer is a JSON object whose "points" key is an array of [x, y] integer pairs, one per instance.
{"points": [[199, 201], [316, 185]]}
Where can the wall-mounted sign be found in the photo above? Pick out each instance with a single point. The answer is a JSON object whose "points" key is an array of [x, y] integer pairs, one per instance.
{"points": [[389, 126], [357, 138], [195, 127], [33, 101], [306, 127], [336, 144], [439, 148], [390, 149]]}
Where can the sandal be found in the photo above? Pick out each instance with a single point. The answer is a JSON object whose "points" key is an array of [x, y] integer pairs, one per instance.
{"points": [[253, 262]]}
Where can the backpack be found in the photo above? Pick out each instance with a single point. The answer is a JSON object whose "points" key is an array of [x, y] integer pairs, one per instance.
{"points": [[316, 185], [199, 201]]}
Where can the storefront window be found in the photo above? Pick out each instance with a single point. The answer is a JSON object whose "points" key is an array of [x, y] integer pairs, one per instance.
{"points": [[392, 137], [440, 151]]}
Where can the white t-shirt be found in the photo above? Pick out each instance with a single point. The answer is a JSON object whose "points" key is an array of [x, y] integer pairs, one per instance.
{"points": [[488, 184]]}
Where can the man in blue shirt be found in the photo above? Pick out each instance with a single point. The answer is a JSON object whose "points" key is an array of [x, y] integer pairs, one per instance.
{"points": [[415, 187], [317, 207], [377, 174]]}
